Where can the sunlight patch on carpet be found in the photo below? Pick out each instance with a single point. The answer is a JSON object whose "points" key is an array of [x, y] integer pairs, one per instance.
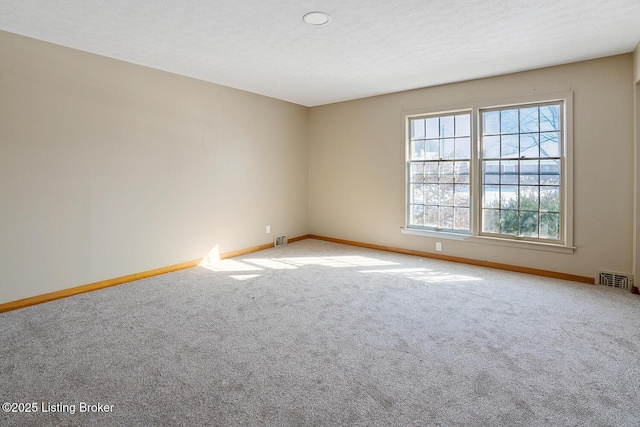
{"points": [[424, 275]]}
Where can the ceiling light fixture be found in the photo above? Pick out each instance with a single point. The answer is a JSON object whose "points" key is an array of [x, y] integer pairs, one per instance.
{"points": [[317, 18]]}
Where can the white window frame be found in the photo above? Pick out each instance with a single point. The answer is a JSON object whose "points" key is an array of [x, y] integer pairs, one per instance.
{"points": [[566, 242], [439, 161]]}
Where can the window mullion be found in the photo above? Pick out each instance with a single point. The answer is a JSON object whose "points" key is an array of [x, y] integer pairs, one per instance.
{"points": [[476, 173]]}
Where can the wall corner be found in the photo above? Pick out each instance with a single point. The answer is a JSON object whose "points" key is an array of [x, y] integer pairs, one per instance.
{"points": [[636, 64], [636, 145]]}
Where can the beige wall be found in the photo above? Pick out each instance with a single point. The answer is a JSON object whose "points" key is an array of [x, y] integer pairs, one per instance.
{"points": [[636, 64], [357, 167], [109, 169]]}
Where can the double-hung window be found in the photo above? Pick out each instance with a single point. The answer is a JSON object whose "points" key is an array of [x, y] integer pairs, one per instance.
{"points": [[439, 168], [521, 160], [492, 172]]}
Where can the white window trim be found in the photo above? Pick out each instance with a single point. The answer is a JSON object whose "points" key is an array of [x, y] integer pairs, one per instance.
{"points": [[567, 178]]}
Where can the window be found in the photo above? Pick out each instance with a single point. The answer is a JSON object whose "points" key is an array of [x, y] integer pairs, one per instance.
{"points": [[498, 173], [521, 168], [439, 165]]}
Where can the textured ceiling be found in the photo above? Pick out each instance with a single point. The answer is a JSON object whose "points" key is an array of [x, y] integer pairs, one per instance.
{"points": [[369, 48]]}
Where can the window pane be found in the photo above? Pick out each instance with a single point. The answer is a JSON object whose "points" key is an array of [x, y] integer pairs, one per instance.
{"points": [[510, 147], [491, 172], [446, 194], [417, 193], [461, 172], [461, 195], [549, 118], [529, 198], [550, 226], [550, 172], [509, 223], [463, 148], [509, 169], [445, 178], [490, 221], [491, 196], [447, 127], [509, 197], [432, 149], [463, 125], [491, 147], [417, 150], [431, 216], [417, 129], [433, 127], [529, 119], [550, 144], [446, 168], [509, 121], [417, 215], [462, 218], [431, 172], [417, 172], [529, 145], [491, 123], [432, 194], [549, 199], [446, 217], [529, 172], [529, 224], [447, 149]]}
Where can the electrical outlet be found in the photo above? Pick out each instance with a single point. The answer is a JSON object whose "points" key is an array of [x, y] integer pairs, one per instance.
{"points": [[438, 246], [268, 229]]}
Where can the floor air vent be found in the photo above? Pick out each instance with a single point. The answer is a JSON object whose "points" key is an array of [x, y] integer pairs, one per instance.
{"points": [[613, 279], [280, 240]]}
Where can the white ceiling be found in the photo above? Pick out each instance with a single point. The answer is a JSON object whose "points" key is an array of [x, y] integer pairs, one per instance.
{"points": [[370, 47]]}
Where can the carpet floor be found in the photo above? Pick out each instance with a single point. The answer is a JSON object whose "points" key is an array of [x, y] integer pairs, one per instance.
{"points": [[322, 334]]}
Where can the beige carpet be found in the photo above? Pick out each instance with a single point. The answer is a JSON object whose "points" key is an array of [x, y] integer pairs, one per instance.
{"points": [[316, 333]]}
